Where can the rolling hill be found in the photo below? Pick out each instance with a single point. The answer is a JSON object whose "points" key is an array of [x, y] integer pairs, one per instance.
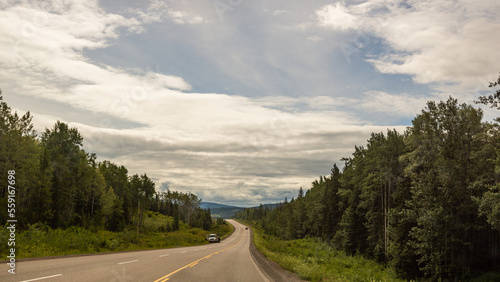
{"points": [[225, 211]]}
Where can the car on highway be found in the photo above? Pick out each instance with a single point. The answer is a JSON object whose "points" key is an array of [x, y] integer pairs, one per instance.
{"points": [[213, 238]]}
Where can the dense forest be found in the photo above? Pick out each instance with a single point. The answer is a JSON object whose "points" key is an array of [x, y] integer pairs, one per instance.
{"points": [[426, 202], [58, 184]]}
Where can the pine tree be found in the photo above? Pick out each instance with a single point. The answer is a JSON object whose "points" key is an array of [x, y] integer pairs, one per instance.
{"points": [[63, 145]]}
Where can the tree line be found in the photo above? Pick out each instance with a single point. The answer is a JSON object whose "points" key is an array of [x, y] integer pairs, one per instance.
{"points": [[426, 201], [59, 184]]}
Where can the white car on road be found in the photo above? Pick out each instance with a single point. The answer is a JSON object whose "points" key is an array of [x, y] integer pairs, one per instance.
{"points": [[213, 238]]}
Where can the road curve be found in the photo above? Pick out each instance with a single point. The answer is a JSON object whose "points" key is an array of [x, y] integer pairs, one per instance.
{"points": [[229, 260]]}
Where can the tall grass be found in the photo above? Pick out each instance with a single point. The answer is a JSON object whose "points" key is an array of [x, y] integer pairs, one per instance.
{"points": [[223, 230], [314, 260]]}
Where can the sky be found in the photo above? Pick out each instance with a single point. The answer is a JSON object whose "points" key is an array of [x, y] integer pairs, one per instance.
{"points": [[241, 102]]}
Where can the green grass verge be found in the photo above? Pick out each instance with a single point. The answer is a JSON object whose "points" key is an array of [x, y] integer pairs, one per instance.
{"points": [[42, 241], [314, 260], [223, 231]]}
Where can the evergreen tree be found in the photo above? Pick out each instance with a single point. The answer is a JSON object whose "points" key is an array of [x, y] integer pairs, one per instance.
{"points": [[443, 141], [19, 152], [63, 145], [494, 99]]}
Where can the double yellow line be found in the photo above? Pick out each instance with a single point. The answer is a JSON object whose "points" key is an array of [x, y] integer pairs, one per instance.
{"points": [[167, 277]]}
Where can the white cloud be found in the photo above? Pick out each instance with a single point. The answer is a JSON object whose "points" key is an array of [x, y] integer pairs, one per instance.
{"points": [[48, 61], [433, 41], [401, 105], [209, 143], [159, 11], [337, 16], [314, 38], [280, 12]]}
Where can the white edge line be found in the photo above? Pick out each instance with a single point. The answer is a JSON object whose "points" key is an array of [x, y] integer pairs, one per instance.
{"points": [[128, 261], [255, 264], [46, 277], [258, 269]]}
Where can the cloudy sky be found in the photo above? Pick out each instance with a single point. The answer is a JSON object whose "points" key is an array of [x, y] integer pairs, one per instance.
{"points": [[241, 102]]}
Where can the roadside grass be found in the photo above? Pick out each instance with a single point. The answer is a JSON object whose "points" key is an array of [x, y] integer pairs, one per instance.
{"points": [[41, 241], [314, 260], [223, 230]]}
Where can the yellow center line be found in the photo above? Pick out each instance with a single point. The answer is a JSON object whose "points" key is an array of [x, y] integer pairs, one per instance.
{"points": [[166, 277]]}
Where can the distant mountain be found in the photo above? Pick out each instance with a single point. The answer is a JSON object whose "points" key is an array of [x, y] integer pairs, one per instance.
{"points": [[209, 205], [225, 211], [219, 210]]}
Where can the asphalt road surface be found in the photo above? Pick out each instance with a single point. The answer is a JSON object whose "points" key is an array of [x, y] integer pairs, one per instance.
{"points": [[229, 260]]}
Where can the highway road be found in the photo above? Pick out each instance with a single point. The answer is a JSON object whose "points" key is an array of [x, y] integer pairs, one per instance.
{"points": [[229, 260]]}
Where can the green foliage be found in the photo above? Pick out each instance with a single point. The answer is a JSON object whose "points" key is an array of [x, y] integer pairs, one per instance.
{"points": [[223, 230], [443, 142], [489, 206], [315, 260], [489, 203], [156, 222], [494, 99], [116, 178], [59, 185], [41, 240], [487, 277], [19, 152], [425, 203], [63, 145]]}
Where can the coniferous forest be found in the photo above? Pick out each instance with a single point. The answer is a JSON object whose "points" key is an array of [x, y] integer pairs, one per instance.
{"points": [[58, 184], [425, 202]]}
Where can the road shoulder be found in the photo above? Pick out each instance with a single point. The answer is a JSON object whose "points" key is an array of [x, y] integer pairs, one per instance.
{"points": [[272, 270]]}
